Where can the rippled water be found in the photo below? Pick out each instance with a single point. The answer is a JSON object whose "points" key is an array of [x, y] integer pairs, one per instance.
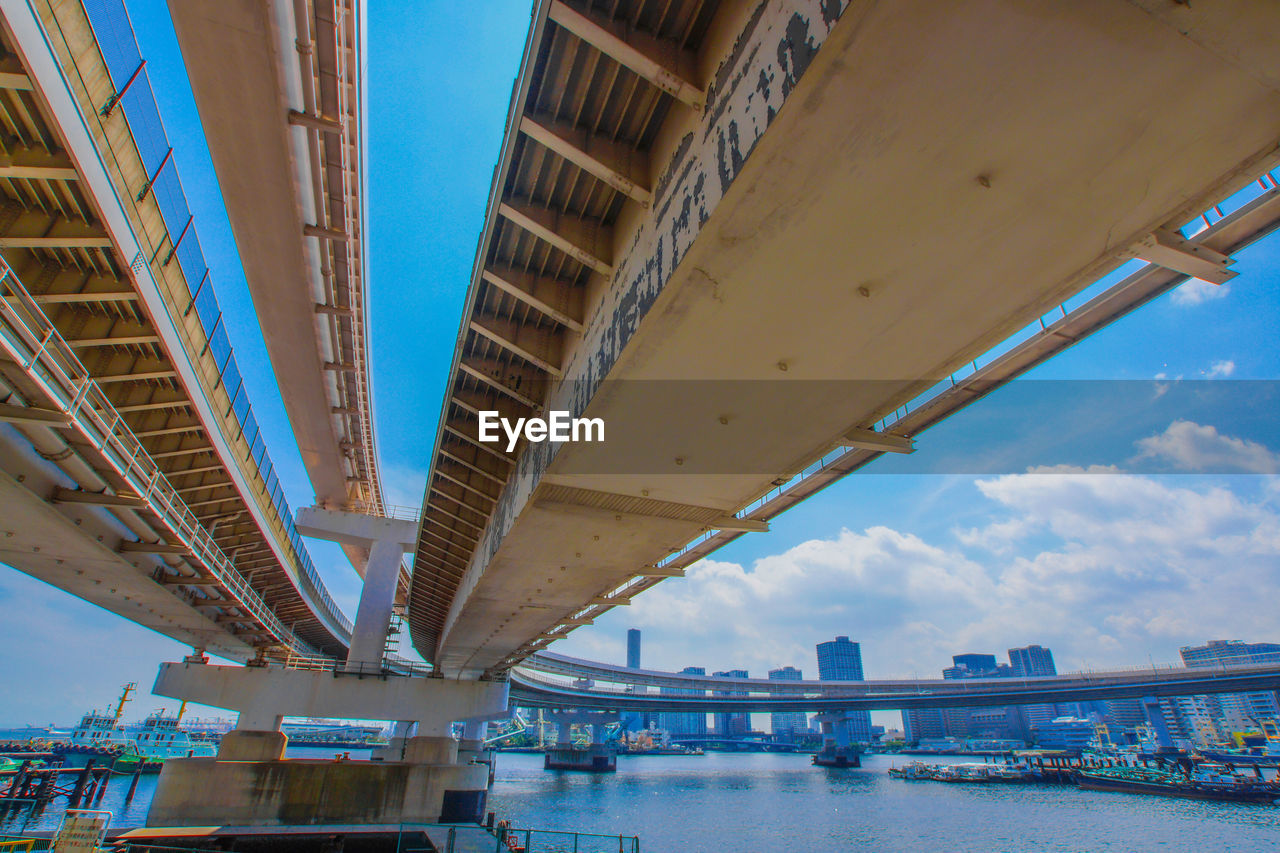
{"points": [[766, 802], [773, 802]]}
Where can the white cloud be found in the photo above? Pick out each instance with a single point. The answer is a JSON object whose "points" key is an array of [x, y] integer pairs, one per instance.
{"points": [[1193, 447], [1196, 292], [1221, 369], [1103, 569]]}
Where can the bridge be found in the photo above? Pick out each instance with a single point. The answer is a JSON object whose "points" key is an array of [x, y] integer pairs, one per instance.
{"points": [[535, 684], [763, 242]]}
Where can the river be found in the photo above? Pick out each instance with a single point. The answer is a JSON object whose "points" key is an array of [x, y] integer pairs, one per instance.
{"points": [[779, 802]]}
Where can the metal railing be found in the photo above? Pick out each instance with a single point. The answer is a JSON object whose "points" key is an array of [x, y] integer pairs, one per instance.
{"points": [[455, 838], [390, 666], [31, 340], [134, 97]]}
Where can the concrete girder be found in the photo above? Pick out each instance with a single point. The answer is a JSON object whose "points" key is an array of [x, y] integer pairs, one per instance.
{"points": [[33, 416], [463, 477], [560, 300], [37, 164], [453, 492], [1169, 249], [517, 382], [469, 458], [620, 166], [457, 429], [587, 242], [868, 439], [262, 695], [139, 376], [660, 62], [475, 402], [540, 348]]}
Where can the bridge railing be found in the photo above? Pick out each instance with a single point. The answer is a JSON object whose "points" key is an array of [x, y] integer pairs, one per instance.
{"points": [[134, 96], [30, 339]]}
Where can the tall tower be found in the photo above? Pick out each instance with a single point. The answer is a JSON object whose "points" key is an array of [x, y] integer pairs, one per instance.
{"points": [[841, 660], [633, 648]]}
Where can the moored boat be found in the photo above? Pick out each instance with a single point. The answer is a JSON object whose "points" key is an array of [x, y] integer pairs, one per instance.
{"points": [[1204, 782]]}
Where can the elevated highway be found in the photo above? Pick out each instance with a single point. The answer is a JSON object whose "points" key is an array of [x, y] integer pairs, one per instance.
{"points": [[132, 471], [749, 236], [547, 680], [283, 82]]}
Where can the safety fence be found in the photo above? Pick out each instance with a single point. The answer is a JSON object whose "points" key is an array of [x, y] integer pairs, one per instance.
{"points": [[135, 99]]}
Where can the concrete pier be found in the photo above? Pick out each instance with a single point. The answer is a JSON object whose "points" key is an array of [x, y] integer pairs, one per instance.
{"points": [[421, 777]]}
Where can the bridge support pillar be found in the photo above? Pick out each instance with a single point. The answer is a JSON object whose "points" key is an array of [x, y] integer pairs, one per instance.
{"points": [[838, 749], [421, 778], [387, 541], [472, 747], [597, 757]]}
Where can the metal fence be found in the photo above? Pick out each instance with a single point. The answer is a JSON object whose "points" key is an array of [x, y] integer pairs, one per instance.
{"points": [[135, 98], [32, 341]]}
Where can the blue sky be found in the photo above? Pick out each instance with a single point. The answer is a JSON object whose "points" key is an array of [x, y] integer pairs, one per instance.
{"points": [[1105, 568]]}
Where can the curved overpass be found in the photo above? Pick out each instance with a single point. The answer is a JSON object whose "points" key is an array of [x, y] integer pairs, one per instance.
{"points": [[530, 686]]}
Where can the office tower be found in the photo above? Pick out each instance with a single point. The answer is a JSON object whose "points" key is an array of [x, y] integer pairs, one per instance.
{"points": [[787, 722], [1037, 662], [684, 725], [841, 660], [633, 648], [732, 724], [1031, 662]]}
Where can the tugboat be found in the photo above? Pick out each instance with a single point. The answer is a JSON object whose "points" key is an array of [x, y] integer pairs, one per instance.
{"points": [[1205, 781], [128, 749]]}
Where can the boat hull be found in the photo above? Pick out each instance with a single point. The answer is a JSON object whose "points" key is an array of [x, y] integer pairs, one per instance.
{"points": [[1188, 791]]}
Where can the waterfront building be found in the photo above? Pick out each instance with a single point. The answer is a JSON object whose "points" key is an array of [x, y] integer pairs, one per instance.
{"points": [[1256, 705], [679, 725], [732, 724], [841, 660], [1065, 733], [923, 724], [787, 723]]}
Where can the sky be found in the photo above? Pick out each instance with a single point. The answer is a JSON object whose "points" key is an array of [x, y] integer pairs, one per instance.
{"points": [[1121, 503]]}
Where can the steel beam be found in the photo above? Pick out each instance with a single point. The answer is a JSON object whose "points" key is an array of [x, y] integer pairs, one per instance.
{"points": [[662, 63], [587, 242], [540, 349], [559, 300], [620, 166], [869, 439], [10, 413], [76, 496], [1169, 249], [489, 371]]}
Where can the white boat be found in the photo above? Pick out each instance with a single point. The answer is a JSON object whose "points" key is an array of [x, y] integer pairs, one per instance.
{"points": [[102, 738]]}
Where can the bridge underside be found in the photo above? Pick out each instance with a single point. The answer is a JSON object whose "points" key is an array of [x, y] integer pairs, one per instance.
{"points": [[946, 174]]}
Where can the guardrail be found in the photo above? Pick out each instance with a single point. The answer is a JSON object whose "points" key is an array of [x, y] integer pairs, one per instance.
{"points": [[391, 666], [135, 98], [30, 339]]}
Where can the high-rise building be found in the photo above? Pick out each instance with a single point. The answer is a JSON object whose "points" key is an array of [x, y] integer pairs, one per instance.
{"points": [[681, 725], [1036, 662], [787, 722], [1031, 662], [633, 648], [841, 660], [732, 723]]}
